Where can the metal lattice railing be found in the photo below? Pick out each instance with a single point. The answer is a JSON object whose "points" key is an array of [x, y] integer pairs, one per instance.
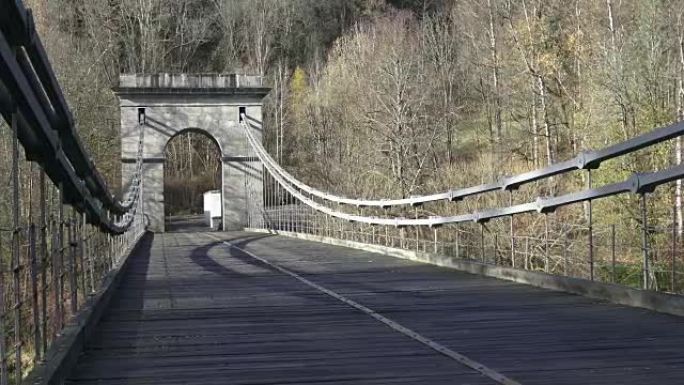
{"points": [[647, 259], [61, 229]]}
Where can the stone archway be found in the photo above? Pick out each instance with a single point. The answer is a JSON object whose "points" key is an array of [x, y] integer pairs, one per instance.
{"points": [[170, 104], [192, 168]]}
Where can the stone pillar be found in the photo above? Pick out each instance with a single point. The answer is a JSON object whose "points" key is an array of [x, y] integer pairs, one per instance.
{"points": [[240, 170], [153, 194]]}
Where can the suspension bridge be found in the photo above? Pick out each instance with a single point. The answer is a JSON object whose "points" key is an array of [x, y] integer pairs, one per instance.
{"points": [[304, 286]]}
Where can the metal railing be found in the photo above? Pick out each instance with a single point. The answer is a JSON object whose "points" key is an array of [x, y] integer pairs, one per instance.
{"points": [[63, 230], [586, 160], [650, 264]]}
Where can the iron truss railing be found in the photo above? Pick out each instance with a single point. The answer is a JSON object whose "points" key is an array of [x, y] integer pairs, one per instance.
{"points": [[65, 230], [292, 205], [31, 99], [584, 161], [638, 183]]}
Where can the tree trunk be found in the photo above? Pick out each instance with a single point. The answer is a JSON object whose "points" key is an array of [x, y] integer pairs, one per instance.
{"points": [[541, 88], [535, 132], [495, 79]]}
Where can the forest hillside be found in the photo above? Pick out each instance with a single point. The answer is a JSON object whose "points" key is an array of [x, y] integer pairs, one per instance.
{"points": [[393, 98]]}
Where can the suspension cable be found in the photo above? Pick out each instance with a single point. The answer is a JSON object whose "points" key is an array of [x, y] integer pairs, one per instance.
{"points": [[637, 183], [584, 160]]}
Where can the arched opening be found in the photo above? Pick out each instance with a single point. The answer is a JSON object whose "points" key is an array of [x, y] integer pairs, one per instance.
{"points": [[192, 179]]}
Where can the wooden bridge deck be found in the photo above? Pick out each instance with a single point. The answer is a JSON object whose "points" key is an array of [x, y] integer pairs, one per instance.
{"points": [[193, 310]]}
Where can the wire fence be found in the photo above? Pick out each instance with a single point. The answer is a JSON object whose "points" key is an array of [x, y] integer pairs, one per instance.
{"points": [[61, 230], [638, 246], [53, 258], [604, 253]]}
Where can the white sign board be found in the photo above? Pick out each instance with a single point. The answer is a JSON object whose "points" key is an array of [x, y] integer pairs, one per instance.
{"points": [[212, 207]]}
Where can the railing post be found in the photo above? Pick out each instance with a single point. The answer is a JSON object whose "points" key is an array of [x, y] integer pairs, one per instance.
{"points": [[72, 266], [59, 286], [458, 244], [527, 252], [644, 243], [278, 202], [89, 252], [16, 263], [402, 234], [546, 243], [496, 248], [673, 262], [327, 226], [80, 237], [512, 230], [612, 254], [482, 244], [565, 256], [435, 243], [311, 222], [43, 261], [3, 347], [417, 229], [591, 230], [34, 292], [110, 251]]}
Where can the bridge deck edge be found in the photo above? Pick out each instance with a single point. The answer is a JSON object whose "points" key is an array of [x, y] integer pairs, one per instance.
{"points": [[63, 354]]}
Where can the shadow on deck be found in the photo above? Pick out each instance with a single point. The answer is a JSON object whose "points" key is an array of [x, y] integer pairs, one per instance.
{"points": [[194, 310], [186, 224]]}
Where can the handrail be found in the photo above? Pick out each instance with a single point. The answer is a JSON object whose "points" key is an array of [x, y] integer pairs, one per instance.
{"points": [[18, 30], [584, 160], [31, 98], [638, 183]]}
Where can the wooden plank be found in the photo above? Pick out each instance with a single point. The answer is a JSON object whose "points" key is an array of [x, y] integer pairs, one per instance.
{"points": [[192, 310], [531, 334]]}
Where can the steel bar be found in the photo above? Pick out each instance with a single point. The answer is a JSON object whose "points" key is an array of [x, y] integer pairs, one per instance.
{"points": [[590, 229], [16, 263], [73, 285], [512, 230], [496, 248], [4, 374], [612, 254], [482, 244], [60, 262], [79, 239], [527, 253], [644, 243], [546, 243], [54, 252], [33, 263], [90, 257], [416, 228], [565, 255], [435, 242], [673, 250], [458, 246], [43, 261]]}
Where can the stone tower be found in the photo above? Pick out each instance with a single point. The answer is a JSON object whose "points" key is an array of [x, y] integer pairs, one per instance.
{"points": [[174, 103]]}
